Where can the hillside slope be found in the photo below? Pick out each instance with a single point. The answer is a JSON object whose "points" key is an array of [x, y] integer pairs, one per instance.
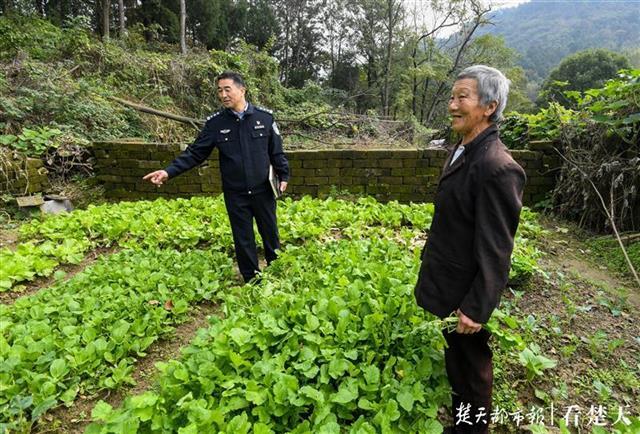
{"points": [[544, 32]]}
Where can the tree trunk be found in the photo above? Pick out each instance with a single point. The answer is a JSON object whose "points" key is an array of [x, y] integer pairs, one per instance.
{"points": [[425, 88], [284, 73], [7, 7], [123, 29], [183, 26], [106, 6], [39, 4], [387, 69], [394, 11], [414, 84]]}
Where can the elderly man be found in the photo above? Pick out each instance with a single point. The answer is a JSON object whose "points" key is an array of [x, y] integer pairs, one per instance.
{"points": [[465, 264], [249, 143]]}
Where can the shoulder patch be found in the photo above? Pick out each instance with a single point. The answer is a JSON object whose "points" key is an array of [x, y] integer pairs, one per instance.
{"points": [[213, 115], [262, 109]]}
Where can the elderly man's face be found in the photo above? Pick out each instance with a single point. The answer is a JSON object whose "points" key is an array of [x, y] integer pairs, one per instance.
{"points": [[231, 95], [467, 114]]}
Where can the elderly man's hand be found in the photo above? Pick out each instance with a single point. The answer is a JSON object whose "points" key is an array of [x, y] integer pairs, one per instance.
{"points": [[283, 186], [158, 177], [466, 325]]}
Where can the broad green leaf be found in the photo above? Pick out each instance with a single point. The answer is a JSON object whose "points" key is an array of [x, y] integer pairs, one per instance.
{"points": [[312, 393], [405, 398], [58, 368], [240, 336], [101, 411], [347, 392], [337, 367]]}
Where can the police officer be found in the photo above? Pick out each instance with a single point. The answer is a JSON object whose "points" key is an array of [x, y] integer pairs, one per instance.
{"points": [[248, 142]]}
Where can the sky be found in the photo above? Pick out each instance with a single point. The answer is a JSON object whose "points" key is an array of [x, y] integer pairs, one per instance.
{"points": [[422, 8], [500, 4]]}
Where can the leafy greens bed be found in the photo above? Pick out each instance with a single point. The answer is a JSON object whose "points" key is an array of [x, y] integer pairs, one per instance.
{"points": [[184, 223], [331, 337], [85, 333]]}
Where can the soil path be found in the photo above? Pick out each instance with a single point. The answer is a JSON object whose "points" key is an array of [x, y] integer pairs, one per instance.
{"points": [[584, 317]]}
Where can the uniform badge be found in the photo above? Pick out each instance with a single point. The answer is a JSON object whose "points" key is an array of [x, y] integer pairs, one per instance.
{"points": [[275, 128], [225, 131]]}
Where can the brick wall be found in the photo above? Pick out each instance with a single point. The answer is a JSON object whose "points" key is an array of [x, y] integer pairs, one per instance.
{"points": [[387, 174], [20, 175]]}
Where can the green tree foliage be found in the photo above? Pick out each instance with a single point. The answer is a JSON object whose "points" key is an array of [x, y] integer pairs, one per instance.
{"points": [[299, 44], [160, 15], [61, 78], [210, 22], [600, 139], [603, 143], [584, 70], [633, 54], [360, 49], [258, 25], [344, 71]]}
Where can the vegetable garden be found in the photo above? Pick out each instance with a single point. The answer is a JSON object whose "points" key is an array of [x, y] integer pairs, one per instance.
{"points": [[330, 340]]}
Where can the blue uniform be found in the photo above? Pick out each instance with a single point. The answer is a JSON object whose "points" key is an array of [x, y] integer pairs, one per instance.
{"points": [[246, 148], [247, 145]]}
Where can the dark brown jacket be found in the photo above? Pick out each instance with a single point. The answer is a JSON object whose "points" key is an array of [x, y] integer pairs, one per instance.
{"points": [[466, 261]]}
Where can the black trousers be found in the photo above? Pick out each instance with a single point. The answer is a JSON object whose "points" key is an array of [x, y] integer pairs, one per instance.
{"points": [[468, 361], [242, 209]]}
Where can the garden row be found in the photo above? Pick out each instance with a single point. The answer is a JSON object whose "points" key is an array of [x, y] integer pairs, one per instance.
{"points": [[330, 339], [180, 223], [86, 333]]}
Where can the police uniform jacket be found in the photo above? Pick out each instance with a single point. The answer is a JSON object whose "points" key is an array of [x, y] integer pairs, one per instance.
{"points": [[466, 261], [246, 148]]}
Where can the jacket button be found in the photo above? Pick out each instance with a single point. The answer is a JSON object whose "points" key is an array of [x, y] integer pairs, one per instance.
{"points": [[249, 191]]}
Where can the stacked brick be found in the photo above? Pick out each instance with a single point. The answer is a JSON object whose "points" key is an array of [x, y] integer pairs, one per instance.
{"points": [[21, 176], [400, 174], [387, 174]]}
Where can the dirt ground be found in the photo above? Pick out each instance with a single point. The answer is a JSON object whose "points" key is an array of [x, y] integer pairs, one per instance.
{"points": [[584, 317]]}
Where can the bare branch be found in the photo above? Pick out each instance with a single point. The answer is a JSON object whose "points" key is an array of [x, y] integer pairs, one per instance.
{"points": [[196, 123], [609, 215]]}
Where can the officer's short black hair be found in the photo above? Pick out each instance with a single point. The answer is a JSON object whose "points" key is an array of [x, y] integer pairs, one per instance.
{"points": [[236, 77]]}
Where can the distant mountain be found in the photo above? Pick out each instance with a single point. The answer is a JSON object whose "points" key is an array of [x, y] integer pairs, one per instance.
{"points": [[544, 31]]}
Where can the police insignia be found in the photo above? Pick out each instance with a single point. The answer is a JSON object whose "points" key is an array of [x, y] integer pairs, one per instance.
{"points": [[213, 115], [275, 128], [225, 131]]}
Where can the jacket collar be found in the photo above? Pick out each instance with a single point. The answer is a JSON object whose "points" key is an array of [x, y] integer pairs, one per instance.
{"points": [[469, 149], [473, 145], [249, 111]]}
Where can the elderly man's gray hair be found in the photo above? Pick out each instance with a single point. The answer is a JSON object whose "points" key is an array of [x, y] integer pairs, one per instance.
{"points": [[492, 86]]}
